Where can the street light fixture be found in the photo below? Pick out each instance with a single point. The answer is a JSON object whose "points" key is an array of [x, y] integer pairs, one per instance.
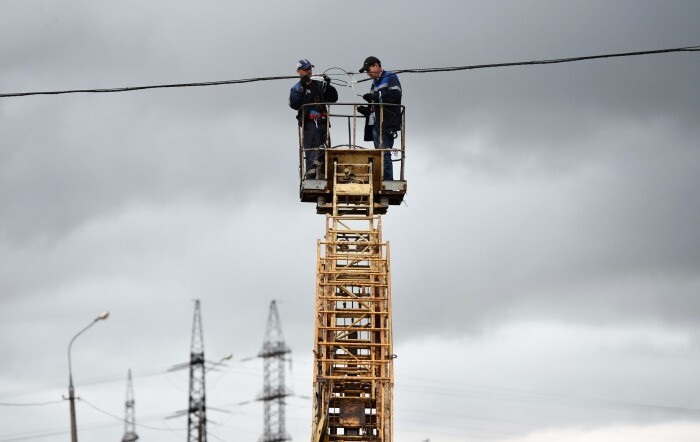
{"points": [[71, 390]]}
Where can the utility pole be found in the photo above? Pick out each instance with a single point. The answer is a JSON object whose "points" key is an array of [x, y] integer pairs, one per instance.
{"points": [[71, 387], [129, 417], [197, 410], [274, 390]]}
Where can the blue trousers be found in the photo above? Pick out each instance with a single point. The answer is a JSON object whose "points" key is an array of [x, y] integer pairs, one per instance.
{"points": [[387, 142]]}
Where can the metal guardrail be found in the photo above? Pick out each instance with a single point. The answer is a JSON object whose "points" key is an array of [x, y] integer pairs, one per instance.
{"points": [[351, 121]]}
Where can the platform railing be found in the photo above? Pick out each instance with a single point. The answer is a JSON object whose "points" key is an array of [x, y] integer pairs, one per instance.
{"points": [[346, 114]]}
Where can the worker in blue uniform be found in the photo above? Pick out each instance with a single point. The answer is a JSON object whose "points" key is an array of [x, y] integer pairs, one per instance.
{"points": [[385, 89], [312, 119]]}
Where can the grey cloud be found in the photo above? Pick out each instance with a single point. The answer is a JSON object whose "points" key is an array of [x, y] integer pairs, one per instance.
{"points": [[552, 193]]}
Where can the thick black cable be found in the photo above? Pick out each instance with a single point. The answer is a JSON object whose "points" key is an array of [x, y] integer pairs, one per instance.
{"points": [[159, 86], [404, 71], [537, 62]]}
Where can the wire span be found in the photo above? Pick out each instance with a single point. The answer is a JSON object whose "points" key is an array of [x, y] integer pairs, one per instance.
{"points": [[158, 86], [536, 62], [350, 73], [114, 416]]}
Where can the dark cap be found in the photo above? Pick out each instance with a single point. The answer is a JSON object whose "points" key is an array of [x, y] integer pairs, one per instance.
{"points": [[304, 64], [370, 61]]}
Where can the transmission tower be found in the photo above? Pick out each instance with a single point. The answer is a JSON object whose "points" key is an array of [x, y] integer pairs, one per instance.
{"points": [[274, 390], [129, 419], [196, 412]]}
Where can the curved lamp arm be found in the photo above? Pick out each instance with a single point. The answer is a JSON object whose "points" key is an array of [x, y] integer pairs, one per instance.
{"points": [[104, 315]]}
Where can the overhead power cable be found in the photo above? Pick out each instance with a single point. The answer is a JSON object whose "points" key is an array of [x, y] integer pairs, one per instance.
{"points": [[114, 416], [405, 71], [537, 62], [157, 86]]}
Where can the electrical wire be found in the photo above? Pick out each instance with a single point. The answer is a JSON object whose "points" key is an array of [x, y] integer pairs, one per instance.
{"points": [[509, 394], [114, 416], [159, 86], [350, 73], [33, 435], [93, 381], [210, 434], [538, 62], [42, 434], [32, 404], [339, 82]]}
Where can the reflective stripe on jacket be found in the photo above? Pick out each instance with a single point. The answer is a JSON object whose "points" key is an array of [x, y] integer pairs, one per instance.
{"points": [[387, 89], [317, 92]]}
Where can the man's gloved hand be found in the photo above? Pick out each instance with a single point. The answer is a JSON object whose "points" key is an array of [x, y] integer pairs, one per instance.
{"points": [[364, 110], [327, 79], [367, 97], [305, 81]]}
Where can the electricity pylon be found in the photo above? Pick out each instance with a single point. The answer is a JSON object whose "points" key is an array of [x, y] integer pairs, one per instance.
{"points": [[129, 417], [197, 410], [274, 390]]}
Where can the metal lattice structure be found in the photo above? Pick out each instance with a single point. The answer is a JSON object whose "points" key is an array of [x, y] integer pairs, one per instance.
{"points": [[129, 416], [197, 409], [353, 375], [353, 348], [274, 390]]}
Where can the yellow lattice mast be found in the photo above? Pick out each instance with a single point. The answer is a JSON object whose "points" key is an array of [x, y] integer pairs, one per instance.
{"points": [[353, 357]]}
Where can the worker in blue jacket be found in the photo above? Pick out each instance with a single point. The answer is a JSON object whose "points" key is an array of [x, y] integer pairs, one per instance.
{"points": [[385, 89], [312, 119]]}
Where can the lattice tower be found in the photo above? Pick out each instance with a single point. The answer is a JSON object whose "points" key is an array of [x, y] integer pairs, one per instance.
{"points": [[129, 416], [197, 410], [274, 391]]}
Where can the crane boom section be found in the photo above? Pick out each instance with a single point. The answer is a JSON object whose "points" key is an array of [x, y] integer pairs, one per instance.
{"points": [[353, 372]]}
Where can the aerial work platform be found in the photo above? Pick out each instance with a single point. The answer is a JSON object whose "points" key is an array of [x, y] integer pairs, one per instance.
{"points": [[319, 188], [353, 374]]}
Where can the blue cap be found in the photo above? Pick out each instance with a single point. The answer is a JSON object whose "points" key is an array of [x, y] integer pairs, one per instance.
{"points": [[304, 64]]}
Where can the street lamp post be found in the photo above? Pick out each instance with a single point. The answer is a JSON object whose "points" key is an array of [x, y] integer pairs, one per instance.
{"points": [[71, 389]]}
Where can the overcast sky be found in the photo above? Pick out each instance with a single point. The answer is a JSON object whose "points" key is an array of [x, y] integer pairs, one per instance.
{"points": [[546, 265]]}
